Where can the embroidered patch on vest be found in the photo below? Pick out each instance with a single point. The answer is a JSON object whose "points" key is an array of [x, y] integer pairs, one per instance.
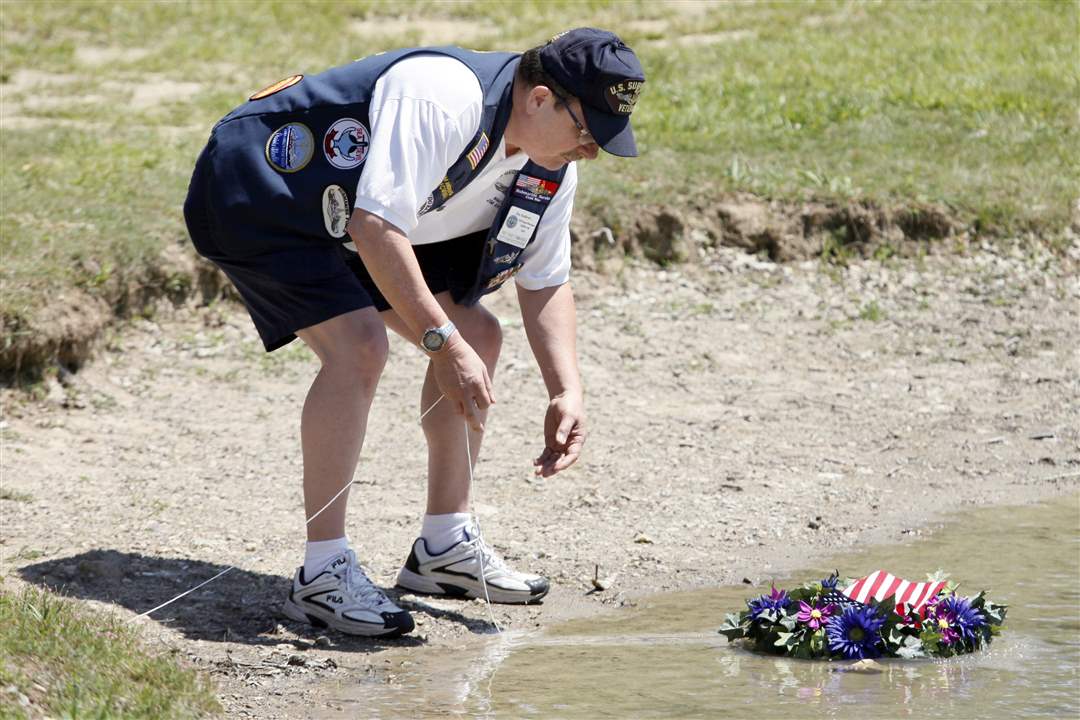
{"points": [[276, 87], [290, 147], [535, 189], [502, 277], [335, 210], [346, 144], [517, 228], [446, 189], [477, 153]]}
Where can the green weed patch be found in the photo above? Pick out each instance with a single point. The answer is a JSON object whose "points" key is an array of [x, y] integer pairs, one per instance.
{"points": [[60, 660]]}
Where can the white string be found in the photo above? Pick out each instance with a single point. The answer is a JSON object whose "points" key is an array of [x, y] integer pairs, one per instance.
{"points": [[483, 576], [430, 408], [205, 582], [479, 536], [186, 592], [476, 520]]}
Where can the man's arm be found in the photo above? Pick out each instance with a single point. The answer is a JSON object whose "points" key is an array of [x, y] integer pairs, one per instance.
{"points": [[550, 323], [389, 257]]}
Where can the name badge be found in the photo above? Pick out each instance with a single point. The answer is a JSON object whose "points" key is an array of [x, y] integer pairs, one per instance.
{"points": [[518, 227]]}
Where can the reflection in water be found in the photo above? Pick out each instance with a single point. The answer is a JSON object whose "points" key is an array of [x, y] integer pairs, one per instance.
{"points": [[664, 660]]}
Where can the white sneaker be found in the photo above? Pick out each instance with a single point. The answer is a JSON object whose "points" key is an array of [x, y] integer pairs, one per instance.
{"points": [[456, 572], [343, 597]]}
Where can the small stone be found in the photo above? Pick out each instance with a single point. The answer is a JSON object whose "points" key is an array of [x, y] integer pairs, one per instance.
{"points": [[408, 597], [322, 641], [643, 539], [297, 660]]}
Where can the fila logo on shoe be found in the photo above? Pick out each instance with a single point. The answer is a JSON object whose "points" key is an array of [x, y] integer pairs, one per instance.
{"points": [[334, 599]]}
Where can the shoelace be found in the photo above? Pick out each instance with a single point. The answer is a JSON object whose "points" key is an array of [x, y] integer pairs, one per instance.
{"points": [[489, 557], [359, 584]]}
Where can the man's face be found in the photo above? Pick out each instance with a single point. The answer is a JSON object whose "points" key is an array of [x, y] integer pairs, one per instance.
{"points": [[558, 133]]}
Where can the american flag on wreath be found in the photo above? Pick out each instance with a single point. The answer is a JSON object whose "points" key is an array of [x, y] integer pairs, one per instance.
{"points": [[477, 153], [880, 585]]}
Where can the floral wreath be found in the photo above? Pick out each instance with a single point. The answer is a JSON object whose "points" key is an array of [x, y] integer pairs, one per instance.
{"points": [[879, 615]]}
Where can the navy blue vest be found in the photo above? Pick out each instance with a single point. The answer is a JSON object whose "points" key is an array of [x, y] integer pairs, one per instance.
{"points": [[288, 161]]}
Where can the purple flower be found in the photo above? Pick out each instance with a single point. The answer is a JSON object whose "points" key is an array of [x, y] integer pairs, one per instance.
{"points": [[829, 583], [776, 601], [815, 615], [854, 633], [954, 618]]}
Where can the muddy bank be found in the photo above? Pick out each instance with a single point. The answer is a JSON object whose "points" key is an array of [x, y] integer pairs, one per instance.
{"points": [[747, 416], [782, 231], [65, 333]]}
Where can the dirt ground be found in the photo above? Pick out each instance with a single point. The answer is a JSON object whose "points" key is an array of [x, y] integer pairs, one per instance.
{"points": [[746, 417]]}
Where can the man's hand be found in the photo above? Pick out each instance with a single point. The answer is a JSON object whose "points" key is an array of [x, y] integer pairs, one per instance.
{"points": [[564, 434], [464, 380]]}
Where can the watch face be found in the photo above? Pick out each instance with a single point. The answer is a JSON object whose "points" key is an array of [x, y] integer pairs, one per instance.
{"points": [[432, 340]]}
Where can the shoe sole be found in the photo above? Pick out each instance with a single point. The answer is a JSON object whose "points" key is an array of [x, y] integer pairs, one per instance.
{"points": [[297, 613], [463, 588]]}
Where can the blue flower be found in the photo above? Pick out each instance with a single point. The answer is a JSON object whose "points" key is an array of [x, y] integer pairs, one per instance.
{"points": [[777, 600], [854, 633], [829, 583], [959, 618]]}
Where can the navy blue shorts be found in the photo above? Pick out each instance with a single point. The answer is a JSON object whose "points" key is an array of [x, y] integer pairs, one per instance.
{"points": [[289, 282]]}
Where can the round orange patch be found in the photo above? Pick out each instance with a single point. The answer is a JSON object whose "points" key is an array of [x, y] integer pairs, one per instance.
{"points": [[277, 87]]}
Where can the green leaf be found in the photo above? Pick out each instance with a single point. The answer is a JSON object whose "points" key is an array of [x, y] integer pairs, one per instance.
{"points": [[937, 576], [735, 626], [817, 641], [782, 639]]}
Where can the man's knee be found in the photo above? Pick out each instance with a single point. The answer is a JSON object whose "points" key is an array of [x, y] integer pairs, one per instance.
{"points": [[353, 343], [483, 332]]}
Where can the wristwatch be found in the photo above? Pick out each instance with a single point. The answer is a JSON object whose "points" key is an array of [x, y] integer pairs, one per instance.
{"points": [[434, 339]]}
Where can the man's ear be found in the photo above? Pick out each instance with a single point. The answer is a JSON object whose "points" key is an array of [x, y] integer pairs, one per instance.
{"points": [[538, 95]]}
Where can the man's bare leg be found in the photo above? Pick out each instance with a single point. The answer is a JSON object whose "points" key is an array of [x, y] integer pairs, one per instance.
{"points": [[448, 465], [446, 537], [353, 350]]}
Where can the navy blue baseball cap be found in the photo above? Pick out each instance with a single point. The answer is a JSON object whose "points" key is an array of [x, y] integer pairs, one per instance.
{"points": [[597, 68]]}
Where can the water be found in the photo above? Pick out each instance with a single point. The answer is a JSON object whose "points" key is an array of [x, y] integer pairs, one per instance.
{"points": [[664, 659]]}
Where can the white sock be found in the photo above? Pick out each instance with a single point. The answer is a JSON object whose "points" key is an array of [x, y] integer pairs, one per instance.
{"points": [[442, 532], [318, 554]]}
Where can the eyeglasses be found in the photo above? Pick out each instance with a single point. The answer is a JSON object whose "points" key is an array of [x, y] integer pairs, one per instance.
{"points": [[584, 136]]}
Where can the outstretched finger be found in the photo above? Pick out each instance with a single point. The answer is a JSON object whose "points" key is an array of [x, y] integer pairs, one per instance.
{"points": [[567, 459], [482, 394], [490, 386], [545, 461], [472, 415]]}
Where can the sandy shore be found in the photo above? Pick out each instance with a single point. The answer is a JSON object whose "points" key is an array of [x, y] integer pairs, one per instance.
{"points": [[746, 417]]}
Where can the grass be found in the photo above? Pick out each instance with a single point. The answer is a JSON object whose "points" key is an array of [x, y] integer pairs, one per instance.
{"points": [[969, 105], [64, 661]]}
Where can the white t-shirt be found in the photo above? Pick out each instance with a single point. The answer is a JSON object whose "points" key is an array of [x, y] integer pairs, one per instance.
{"points": [[424, 111]]}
